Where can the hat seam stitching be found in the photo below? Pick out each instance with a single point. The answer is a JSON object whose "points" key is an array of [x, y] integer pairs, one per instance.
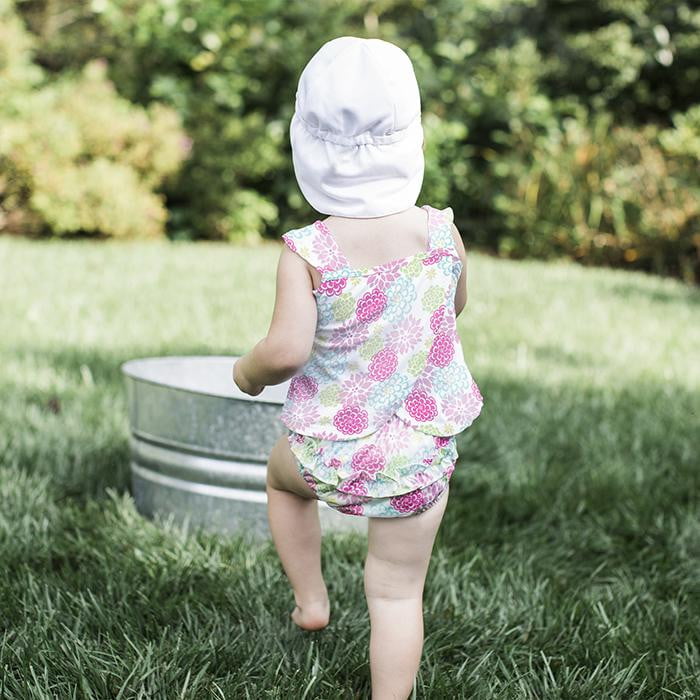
{"points": [[395, 136]]}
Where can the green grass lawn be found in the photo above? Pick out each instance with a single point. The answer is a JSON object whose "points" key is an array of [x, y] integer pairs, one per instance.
{"points": [[567, 565]]}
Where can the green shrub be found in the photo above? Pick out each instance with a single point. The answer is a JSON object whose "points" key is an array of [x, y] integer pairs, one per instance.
{"points": [[683, 141], [601, 194], [17, 72], [76, 157], [508, 87], [556, 178]]}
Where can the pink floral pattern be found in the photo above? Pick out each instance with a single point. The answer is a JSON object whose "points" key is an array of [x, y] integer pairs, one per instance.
{"points": [[332, 287], [306, 414], [311, 482], [405, 335], [352, 509], [431, 492], [348, 338], [463, 411], [356, 485], [408, 502], [421, 406], [302, 387], [350, 420], [370, 305], [436, 319], [383, 365], [386, 344], [443, 322], [361, 477], [391, 439], [421, 478], [433, 257], [368, 460], [424, 383], [442, 350], [323, 248], [384, 275], [355, 389]]}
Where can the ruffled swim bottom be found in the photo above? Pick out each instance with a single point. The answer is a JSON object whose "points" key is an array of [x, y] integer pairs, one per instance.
{"points": [[396, 471]]}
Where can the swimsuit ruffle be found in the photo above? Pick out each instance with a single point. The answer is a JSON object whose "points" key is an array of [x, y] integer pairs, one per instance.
{"points": [[394, 460]]}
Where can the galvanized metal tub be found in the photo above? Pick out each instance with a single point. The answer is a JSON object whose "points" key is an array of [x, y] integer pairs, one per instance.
{"points": [[199, 446]]}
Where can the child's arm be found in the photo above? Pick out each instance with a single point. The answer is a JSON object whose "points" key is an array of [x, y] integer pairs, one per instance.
{"points": [[288, 343], [461, 293]]}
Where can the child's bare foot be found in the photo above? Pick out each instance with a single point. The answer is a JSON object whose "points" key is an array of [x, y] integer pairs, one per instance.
{"points": [[312, 616]]}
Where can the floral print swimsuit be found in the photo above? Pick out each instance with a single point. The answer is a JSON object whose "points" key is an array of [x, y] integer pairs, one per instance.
{"points": [[374, 413]]}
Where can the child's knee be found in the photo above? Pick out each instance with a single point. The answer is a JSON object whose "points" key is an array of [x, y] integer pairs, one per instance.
{"points": [[392, 580]]}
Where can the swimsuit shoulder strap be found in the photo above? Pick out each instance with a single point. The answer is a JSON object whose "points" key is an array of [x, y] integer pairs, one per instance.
{"points": [[440, 227], [315, 244]]}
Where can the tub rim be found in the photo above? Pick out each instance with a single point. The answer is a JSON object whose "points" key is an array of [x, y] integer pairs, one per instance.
{"points": [[128, 369]]}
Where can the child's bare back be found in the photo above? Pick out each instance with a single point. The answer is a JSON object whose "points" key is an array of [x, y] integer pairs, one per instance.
{"points": [[370, 242], [374, 241]]}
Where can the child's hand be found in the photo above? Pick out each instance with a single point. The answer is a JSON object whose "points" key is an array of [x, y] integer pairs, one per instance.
{"points": [[242, 382]]}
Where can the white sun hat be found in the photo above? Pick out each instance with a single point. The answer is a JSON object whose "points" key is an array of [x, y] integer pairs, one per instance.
{"points": [[356, 132]]}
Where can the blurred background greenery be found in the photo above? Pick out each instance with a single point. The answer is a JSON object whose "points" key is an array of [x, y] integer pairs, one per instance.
{"points": [[554, 128]]}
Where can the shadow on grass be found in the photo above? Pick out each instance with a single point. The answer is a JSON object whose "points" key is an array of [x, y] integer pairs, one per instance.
{"points": [[535, 453], [567, 501]]}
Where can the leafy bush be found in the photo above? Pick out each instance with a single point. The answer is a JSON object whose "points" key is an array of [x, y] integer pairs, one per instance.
{"points": [[599, 193], [508, 87], [76, 157], [557, 178]]}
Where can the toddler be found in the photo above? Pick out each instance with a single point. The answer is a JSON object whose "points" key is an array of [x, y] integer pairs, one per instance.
{"points": [[364, 324]]}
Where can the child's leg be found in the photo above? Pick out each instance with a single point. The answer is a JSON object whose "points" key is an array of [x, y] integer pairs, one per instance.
{"points": [[398, 555], [292, 512]]}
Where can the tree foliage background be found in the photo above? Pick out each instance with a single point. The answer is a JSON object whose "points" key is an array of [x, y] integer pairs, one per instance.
{"points": [[553, 127]]}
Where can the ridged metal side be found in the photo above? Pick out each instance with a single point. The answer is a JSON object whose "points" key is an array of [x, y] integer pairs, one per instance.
{"points": [[199, 446]]}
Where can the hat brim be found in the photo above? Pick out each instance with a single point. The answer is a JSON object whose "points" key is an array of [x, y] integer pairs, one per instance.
{"points": [[358, 181]]}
